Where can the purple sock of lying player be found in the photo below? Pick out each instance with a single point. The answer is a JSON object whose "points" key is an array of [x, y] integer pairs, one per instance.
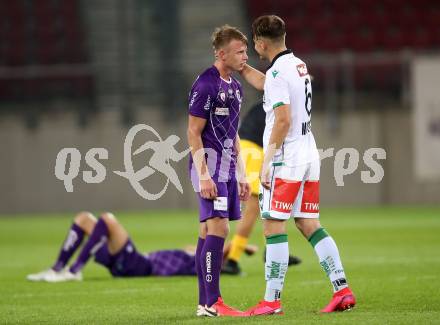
{"points": [[71, 243], [211, 262], [97, 238]]}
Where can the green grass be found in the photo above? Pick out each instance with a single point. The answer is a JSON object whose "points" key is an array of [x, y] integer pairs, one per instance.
{"points": [[391, 257]]}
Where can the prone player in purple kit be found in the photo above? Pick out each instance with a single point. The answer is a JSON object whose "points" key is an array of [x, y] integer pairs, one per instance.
{"points": [[216, 168], [112, 247]]}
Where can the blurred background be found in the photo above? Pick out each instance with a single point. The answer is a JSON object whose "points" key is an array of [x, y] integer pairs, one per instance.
{"points": [[77, 73]]}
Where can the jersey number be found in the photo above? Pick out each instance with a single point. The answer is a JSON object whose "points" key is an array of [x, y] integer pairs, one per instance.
{"points": [[308, 103]]}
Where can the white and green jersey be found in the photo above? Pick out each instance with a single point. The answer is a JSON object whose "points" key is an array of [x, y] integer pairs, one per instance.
{"points": [[288, 82]]}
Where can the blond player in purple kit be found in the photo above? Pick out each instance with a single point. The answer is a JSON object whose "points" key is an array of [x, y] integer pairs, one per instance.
{"points": [[216, 166]]}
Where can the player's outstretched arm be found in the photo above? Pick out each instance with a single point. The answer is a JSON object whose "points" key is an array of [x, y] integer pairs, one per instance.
{"points": [[253, 76]]}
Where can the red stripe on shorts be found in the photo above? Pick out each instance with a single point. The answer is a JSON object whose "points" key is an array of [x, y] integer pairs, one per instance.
{"points": [[284, 195], [310, 199]]}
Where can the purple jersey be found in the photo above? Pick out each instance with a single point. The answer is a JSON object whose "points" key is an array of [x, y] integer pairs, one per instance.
{"points": [[172, 262], [128, 262], [219, 102]]}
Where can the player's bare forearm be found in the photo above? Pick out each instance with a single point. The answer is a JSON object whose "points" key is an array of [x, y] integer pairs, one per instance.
{"points": [[279, 132], [253, 76], [196, 125], [197, 153], [194, 134], [240, 163]]}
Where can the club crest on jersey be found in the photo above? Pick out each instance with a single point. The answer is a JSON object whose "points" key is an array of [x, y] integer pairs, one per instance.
{"points": [[302, 70], [230, 93], [222, 96], [237, 94], [275, 73]]}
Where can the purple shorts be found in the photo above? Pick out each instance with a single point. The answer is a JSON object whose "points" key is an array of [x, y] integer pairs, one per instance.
{"points": [[227, 204], [127, 262]]}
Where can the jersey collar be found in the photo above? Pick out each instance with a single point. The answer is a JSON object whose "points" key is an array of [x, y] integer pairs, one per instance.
{"points": [[278, 56], [217, 74]]}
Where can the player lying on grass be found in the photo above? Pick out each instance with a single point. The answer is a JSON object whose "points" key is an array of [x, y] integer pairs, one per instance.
{"points": [[111, 246]]}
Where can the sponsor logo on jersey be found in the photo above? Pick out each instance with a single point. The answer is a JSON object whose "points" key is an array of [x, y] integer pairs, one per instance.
{"points": [[302, 70], [275, 73], [222, 111], [193, 98], [238, 95], [207, 105]]}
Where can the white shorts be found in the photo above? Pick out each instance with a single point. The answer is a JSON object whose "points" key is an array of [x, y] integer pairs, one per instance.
{"points": [[294, 192]]}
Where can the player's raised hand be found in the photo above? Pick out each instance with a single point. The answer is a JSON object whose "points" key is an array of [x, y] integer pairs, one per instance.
{"points": [[208, 189], [244, 190]]}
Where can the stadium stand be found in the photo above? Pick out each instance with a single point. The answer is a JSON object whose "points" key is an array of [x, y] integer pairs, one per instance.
{"points": [[365, 25], [317, 27], [42, 45]]}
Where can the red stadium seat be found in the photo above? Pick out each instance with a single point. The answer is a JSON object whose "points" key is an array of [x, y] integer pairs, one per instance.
{"points": [[43, 32], [365, 25]]}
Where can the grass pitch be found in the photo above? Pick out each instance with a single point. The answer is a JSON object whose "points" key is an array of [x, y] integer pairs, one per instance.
{"points": [[391, 257]]}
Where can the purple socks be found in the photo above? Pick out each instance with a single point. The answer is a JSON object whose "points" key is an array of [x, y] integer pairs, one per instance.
{"points": [[70, 245], [97, 238], [211, 258]]}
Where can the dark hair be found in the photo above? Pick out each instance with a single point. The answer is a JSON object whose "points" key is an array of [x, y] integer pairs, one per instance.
{"points": [[269, 26], [225, 34]]}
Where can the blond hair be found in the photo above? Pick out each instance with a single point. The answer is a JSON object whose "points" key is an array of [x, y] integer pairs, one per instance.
{"points": [[223, 35]]}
